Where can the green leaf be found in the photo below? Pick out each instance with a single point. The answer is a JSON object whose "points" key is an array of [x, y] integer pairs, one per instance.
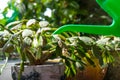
{"points": [[67, 71], [90, 61], [80, 65], [21, 70], [74, 4], [73, 69], [8, 26], [59, 50], [3, 66], [67, 62], [18, 50], [39, 53], [80, 51]]}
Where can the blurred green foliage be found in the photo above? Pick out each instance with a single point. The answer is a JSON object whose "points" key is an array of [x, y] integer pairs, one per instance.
{"points": [[61, 11]]}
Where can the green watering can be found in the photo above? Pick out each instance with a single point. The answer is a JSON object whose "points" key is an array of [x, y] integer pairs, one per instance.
{"points": [[112, 7]]}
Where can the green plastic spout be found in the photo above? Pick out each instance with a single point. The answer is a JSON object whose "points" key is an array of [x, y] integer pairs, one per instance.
{"points": [[112, 8]]}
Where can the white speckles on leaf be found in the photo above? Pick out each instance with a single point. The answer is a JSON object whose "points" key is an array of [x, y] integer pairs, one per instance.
{"points": [[27, 32], [43, 23], [30, 22]]}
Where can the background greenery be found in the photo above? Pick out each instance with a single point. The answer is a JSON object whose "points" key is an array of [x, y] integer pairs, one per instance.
{"points": [[62, 11]]}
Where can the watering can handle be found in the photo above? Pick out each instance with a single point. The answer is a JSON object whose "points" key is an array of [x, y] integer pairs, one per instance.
{"points": [[112, 8]]}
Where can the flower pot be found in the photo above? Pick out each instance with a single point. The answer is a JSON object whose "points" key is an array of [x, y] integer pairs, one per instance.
{"points": [[48, 71], [90, 72]]}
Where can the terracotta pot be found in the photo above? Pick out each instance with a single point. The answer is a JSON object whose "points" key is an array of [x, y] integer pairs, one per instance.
{"points": [[91, 73], [50, 71]]}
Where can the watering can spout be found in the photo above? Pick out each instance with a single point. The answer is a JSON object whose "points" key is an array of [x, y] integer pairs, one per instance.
{"points": [[93, 29], [112, 8]]}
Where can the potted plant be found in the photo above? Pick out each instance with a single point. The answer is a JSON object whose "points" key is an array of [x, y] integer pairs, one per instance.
{"points": [[88, 53], [32, 40], [68, 53], [35, 44]]}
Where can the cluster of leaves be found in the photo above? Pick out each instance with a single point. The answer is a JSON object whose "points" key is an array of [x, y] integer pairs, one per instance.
{"points": [[32, 39], [80, 51]]}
